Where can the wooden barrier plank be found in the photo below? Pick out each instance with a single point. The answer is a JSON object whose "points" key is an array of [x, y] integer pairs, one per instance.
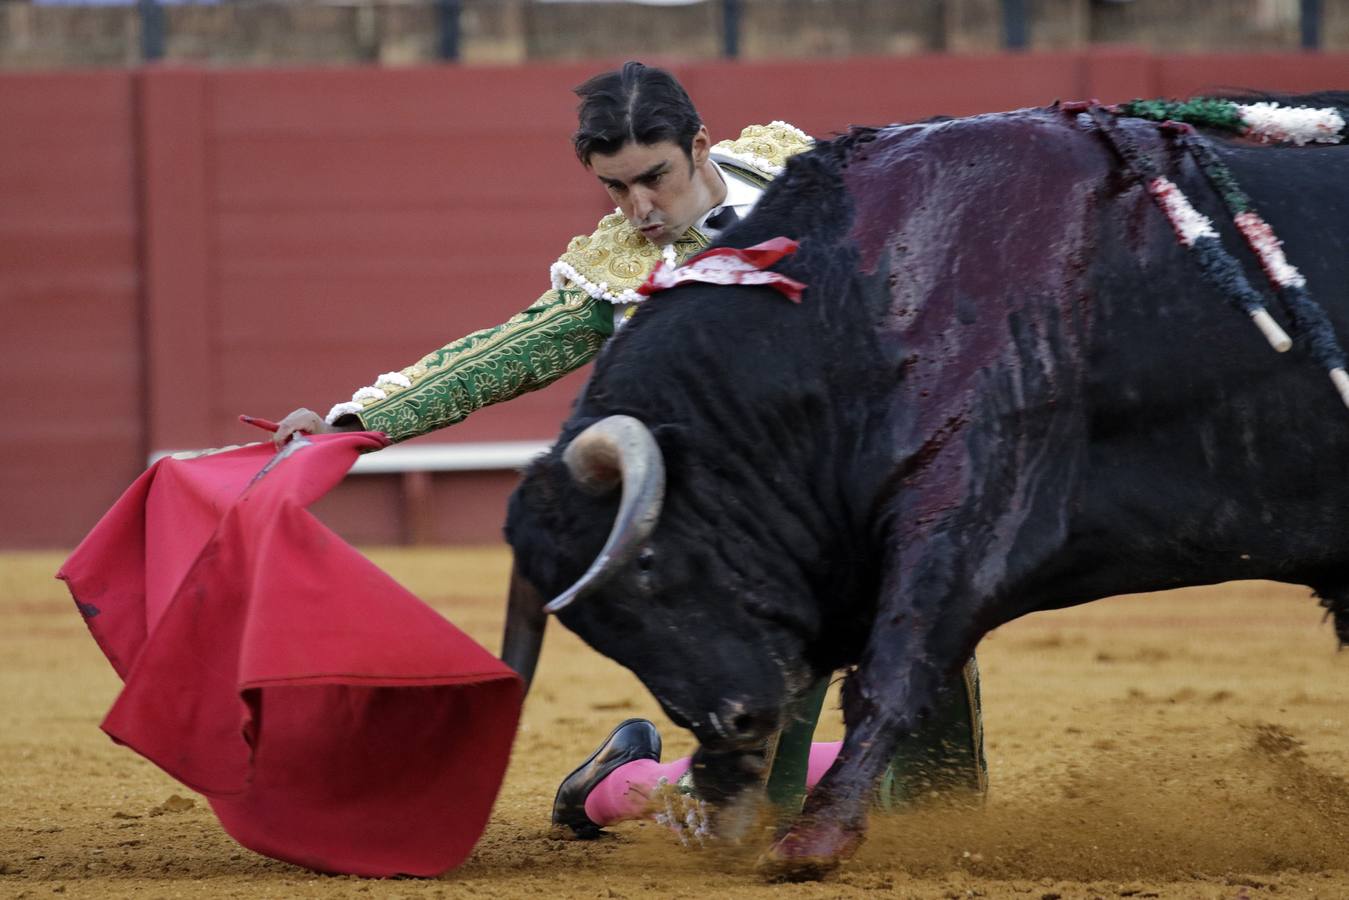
{"points": [[1182, 76], [1117, 75], [176, 216], [435, 244], [70, 351], [828, 95], [389, 171], [435, 100]]}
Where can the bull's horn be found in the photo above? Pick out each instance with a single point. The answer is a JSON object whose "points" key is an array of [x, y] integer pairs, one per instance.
{"points": [[614, 449], [525, 622]]}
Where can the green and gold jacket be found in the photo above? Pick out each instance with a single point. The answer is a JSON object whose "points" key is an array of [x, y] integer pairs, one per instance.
{"points": [[594, 286]]}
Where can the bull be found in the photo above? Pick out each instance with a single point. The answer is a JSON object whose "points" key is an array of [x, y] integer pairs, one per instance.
{"points": [[1007, 389]]}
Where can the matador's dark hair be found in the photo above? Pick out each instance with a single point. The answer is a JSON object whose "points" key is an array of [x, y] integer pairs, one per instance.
{"points": [[635, 104]]}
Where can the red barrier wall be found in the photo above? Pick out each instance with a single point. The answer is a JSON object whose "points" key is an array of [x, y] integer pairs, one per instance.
{"points": [[179, 246], [71, 347]]}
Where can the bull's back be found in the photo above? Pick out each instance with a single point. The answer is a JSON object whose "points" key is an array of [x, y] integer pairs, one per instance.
{"points": [[1211, 457]]}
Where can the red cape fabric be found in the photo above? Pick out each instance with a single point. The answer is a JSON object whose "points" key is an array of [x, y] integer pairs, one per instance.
{"points": [[332, 719]]}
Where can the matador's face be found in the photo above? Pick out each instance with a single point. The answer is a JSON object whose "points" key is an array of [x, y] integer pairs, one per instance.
{"points": [[658, 188]]}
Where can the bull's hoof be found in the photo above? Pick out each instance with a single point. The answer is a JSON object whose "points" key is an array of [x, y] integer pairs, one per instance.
{"points": [[809, 851]]}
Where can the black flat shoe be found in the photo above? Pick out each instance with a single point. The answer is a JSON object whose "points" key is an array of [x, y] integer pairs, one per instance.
{"points": [[632, 739]]}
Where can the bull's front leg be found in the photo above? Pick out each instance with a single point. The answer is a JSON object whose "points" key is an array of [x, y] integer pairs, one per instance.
{"points": [[908, 658]]}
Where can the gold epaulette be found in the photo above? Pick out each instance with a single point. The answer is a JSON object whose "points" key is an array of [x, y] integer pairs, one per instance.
{"points": [[608, 264], [765, 148]]}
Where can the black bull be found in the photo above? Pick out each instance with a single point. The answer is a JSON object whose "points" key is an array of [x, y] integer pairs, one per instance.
{"points": [[1007, 389]]}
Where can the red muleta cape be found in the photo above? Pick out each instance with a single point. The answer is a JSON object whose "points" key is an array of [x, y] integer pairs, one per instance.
{"points": [[332, 719]]}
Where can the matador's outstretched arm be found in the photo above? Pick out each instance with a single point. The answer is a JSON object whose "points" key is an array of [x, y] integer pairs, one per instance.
{"points": [[560, 332]]}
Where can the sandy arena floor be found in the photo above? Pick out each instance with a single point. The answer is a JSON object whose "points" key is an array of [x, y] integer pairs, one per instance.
{"points": [[1181, 745]]}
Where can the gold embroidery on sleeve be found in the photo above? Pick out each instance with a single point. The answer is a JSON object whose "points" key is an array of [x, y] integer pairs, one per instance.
{"points": [[531, 350]]}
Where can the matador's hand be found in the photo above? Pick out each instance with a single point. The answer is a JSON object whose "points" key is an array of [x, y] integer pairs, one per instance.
{"points": [[305, 420]]}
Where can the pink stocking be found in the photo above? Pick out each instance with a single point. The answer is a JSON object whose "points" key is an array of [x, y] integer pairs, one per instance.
{"points": [[822, 756], [625, 792]]}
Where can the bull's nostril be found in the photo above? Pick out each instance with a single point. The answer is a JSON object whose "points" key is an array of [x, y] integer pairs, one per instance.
{"points": [[743, 724]]}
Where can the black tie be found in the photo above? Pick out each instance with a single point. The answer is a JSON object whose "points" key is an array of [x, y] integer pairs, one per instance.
{"points": [[723, 218]]}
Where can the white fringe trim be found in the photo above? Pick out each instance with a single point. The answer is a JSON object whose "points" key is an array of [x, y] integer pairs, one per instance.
{"points": [[794, 130], [375, 392], [340, 410], [1271, 122], [758, 162], [560, 273], [1190, 224], [753, 161]]}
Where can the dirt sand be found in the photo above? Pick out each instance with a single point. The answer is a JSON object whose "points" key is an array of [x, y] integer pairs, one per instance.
{"points": [[1190, 744]]}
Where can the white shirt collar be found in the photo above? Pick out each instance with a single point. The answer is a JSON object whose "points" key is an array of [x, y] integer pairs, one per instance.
{"points": [[740, 194]]}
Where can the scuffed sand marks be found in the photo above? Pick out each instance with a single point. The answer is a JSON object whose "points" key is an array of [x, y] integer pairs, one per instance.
{"points": [[1259, 808], [1188, 745]]}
